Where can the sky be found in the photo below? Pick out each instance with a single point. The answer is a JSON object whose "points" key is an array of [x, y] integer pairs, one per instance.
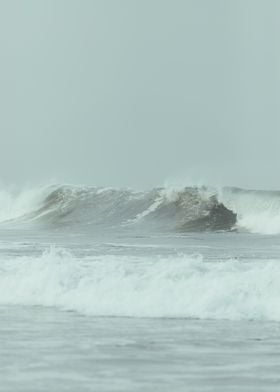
{"points": [[139, 93]]}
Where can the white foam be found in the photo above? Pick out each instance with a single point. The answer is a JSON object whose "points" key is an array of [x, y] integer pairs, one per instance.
{"points": [[152, 208], [257, 212], [181, 286]]}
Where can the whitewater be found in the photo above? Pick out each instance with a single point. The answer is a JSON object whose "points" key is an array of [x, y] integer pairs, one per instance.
{"points": [[105, 289]]}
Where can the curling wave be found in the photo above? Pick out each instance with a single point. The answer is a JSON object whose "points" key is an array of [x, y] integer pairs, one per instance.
{"points": [[186, 209]]}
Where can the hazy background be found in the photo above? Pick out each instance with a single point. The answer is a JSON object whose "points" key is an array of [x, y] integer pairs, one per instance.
{"points": [[134, 92]]}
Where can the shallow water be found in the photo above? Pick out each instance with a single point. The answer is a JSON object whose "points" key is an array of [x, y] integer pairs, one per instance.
{"points": [[44, 349], [211, 301]]}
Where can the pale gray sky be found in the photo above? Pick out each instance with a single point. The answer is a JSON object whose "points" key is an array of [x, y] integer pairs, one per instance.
{"points": [[133, 92]]}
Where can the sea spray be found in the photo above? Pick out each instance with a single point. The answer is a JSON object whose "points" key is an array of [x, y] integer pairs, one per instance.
{"points": [[174, 209]]}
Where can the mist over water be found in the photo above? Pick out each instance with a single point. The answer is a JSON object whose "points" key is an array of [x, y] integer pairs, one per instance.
{"points": [[129, 94]]}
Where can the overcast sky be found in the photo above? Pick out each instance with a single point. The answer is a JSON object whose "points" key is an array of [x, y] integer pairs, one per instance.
{"points": [[136, 92]]}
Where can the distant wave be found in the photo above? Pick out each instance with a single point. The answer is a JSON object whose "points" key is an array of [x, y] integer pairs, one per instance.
{"points": [[188, 209], [174, 286]]}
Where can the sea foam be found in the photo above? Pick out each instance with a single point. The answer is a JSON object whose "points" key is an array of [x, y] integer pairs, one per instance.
{"points": [[175, 286]]}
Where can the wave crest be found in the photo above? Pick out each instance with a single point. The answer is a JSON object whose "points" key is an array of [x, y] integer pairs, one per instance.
{"points": [[185, 209]]}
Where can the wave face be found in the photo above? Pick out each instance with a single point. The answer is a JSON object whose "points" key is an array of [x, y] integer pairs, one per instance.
{"points": [[144, 286], [188, 209]]}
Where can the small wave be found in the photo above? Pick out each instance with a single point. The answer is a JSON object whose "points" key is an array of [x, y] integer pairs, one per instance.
{"points": [[181, 286]]}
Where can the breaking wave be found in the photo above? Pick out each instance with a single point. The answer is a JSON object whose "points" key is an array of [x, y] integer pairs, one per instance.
{"points": [[186, 209], [177, 286]]}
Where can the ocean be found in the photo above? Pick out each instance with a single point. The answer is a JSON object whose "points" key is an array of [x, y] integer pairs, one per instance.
{"points": [[106, 289]]}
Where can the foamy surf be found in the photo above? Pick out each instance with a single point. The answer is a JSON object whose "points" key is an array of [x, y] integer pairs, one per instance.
{"points": [[177, 286]]}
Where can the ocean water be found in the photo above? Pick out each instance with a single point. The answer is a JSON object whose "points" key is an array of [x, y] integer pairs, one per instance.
{"points": [[115, 290]]}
